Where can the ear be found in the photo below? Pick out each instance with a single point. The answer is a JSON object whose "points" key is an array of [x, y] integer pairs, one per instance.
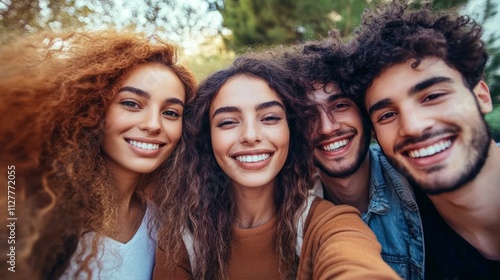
{"points": [[374, 136], [482, 94]]}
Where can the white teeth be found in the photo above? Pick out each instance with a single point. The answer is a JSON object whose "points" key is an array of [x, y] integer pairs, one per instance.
{"points": [[335, 145], [431, 150], [254, 158], [145, 146]]}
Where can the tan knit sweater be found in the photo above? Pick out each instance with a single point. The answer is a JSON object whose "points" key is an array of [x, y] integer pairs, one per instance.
{"points": [[336, 245]]}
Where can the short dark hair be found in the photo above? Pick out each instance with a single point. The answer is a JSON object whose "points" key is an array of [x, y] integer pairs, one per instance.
{"points": [[394, 33], [324, 61]]}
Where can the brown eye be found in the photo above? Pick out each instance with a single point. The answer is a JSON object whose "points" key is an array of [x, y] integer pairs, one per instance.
{"points": [[271, 118], [432, 96], [226, 122], [171, 113], [130, 103], [386, 117]]}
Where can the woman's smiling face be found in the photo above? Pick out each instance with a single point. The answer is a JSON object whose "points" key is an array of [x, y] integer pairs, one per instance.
{"points": [[249, 131], [143, 122]]}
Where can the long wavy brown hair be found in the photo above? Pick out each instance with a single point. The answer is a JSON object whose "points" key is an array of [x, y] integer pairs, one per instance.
{"points": [[210, 202], [54, 91]]}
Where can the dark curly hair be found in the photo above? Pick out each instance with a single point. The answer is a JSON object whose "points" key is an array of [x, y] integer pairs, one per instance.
{"points": [[211, 201], [394, 33], [54, 90], [322, 62]]}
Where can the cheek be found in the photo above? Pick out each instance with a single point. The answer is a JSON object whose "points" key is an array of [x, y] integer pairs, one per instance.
{"points": [[174, 131], [282, 136], [384, 136], [219, 142]]}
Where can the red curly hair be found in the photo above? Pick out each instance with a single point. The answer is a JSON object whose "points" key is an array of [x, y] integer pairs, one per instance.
{"points": [[54, 91]]}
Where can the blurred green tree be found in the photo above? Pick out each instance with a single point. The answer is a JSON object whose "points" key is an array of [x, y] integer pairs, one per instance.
{"points": [[263, 23], [492, 44], [492, 73]]}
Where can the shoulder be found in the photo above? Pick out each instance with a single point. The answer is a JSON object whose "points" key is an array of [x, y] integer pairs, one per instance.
{"points": [[324, 214], [321, 206]]}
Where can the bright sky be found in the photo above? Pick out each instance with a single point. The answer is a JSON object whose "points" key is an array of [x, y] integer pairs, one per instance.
{"points": [[205, 23]]}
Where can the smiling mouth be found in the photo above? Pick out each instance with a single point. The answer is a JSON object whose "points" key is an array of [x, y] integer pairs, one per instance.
{"points": [[253, 158], [143, 145], [430, 150], [335, 145]]}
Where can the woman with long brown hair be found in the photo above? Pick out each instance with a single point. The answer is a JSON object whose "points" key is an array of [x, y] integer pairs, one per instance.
{"points": [[246, 189], [93, 124]]}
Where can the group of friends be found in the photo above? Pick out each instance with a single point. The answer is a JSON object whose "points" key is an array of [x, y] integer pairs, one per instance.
{"points": [[126, 168]]}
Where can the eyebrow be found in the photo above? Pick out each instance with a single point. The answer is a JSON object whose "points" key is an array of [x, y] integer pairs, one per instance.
{"points": [[261, 106], [337, 96], [145, 94], [413, 90], [269, 104], [428, 83], [379, 105], [136, 91]]}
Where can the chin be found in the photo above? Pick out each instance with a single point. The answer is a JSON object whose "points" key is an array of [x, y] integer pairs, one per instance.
{"points": [[439, 183]]}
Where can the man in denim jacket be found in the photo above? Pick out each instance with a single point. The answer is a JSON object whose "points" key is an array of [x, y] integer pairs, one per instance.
{"points": [[349, 172], [420, 76]]}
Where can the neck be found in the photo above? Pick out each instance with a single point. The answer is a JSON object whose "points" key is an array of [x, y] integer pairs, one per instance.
{"points": [[255, 206], [126, 182], [473, 210], [126, 189], [353, 190], [129, 207]]}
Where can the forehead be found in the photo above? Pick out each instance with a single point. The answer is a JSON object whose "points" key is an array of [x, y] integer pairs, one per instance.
{"points": [[398, 80], [149, 75], [243, 90], [322, 92]]}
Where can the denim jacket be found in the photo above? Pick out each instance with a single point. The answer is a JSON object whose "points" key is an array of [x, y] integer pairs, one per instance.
{"points": [[393, 216]]}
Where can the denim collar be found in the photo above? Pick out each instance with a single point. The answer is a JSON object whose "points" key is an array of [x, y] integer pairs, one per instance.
{"points": [[384, 175], [378, 188]]}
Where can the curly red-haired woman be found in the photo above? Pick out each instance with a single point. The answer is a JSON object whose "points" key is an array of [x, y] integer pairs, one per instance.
{"points": [[93, 124]]}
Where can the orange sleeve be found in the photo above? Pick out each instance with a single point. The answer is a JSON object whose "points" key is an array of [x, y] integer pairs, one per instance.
{"points": [[339, 245], [181, 270]]}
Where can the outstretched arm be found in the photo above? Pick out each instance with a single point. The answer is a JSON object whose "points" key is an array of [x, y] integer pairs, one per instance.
{"points": [[339, 245]]}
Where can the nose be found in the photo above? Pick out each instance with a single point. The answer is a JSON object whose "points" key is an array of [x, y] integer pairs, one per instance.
{"points": [[413, 123], [251, 133], [151, 122], [327, 123]]}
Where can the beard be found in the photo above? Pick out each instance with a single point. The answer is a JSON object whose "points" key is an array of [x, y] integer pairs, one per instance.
{"points": [[346, 171], [477, 153]]}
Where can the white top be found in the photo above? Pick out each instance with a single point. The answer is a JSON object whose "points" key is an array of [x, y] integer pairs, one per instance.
{"points": [[115, 260]]}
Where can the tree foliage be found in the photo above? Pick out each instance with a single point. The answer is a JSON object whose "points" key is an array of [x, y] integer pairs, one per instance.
{"points": [[174, 19], [262, 23], [492, 44], [19, 16], [178, 19]]}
